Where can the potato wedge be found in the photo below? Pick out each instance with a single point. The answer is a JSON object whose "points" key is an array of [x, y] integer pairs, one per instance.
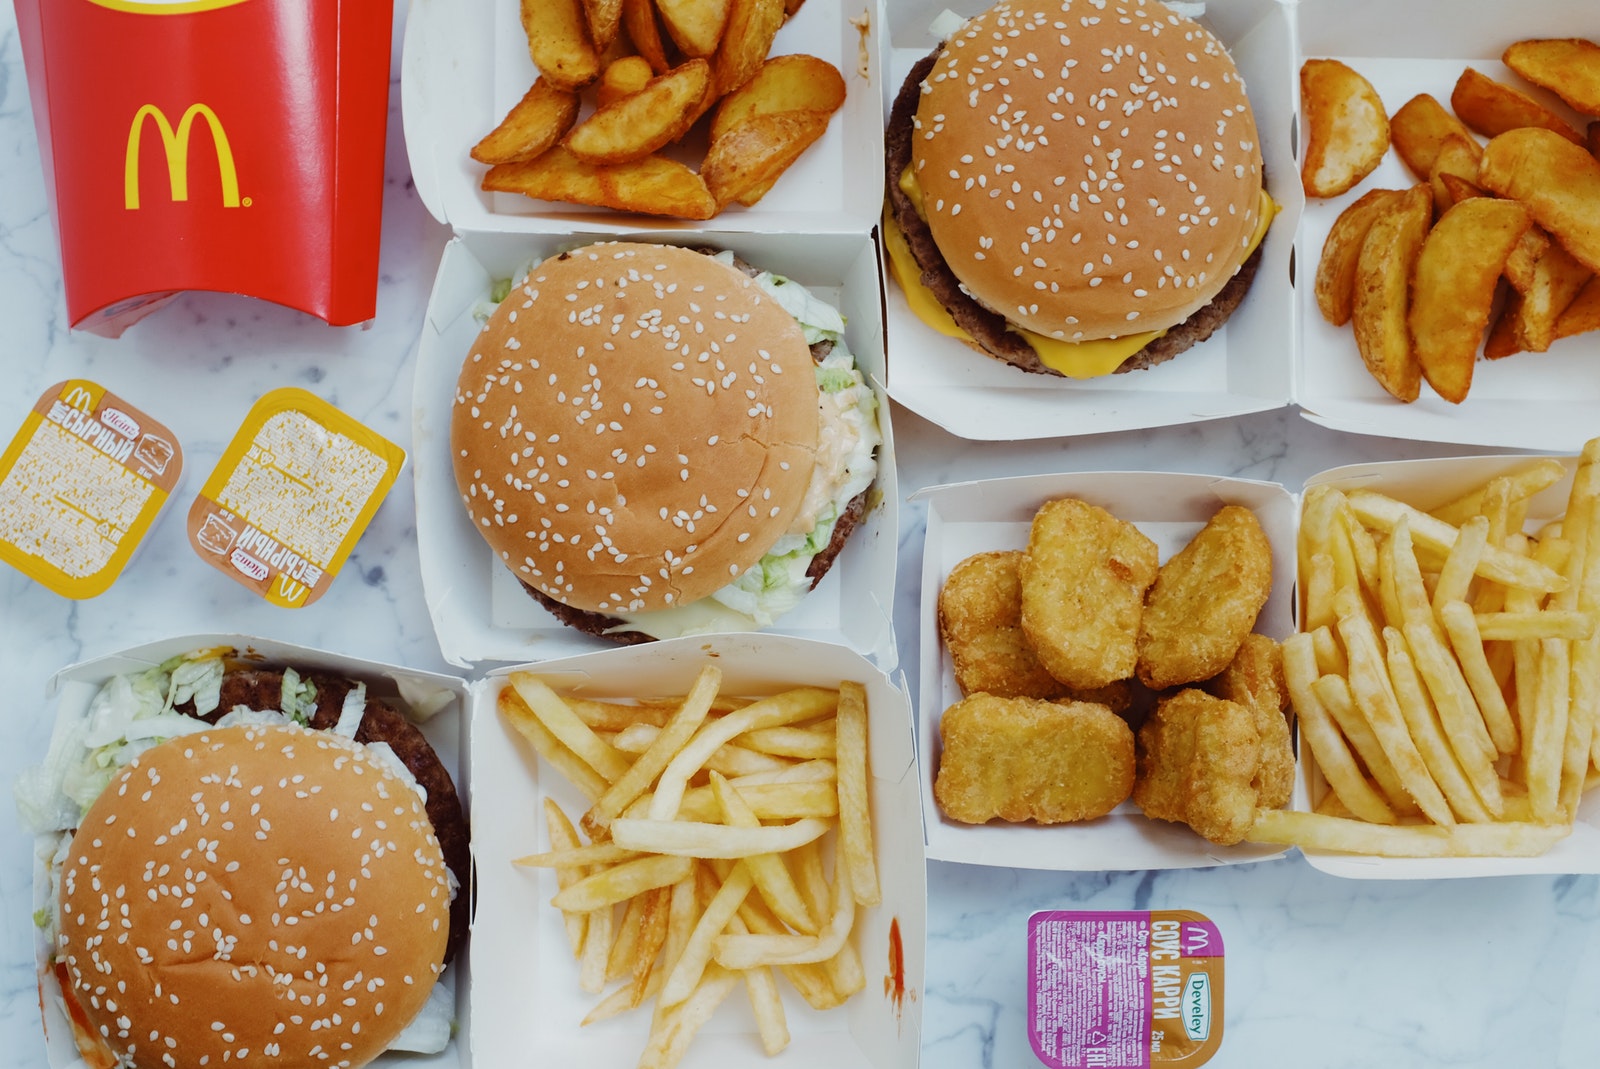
{"points": [[1557, 180], [1591, 137], [604, 19], [1457, 188], [1336, 271], [752, 24], [1383, 276], [653, 185], [758, 150], [639, 20], [1453, 286], [695, 26], [1524, 259], [1492, 108], [1458, 156], [1583, 314], [633, 126], [627, 75], [1347, 130], [558, 42], [1568, 67], [783, 83], [537, 121], [1555, 280], [1418, 130]]}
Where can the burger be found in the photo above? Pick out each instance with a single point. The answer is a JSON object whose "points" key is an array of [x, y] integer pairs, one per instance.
{"points": [[257, 867], [1075, 186], [660, 441]]}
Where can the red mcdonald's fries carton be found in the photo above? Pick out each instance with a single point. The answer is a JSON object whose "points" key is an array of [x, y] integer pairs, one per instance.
{"points": [[230, 145]]}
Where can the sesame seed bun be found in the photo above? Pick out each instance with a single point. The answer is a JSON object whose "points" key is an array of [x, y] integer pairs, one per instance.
{"points": [[635, 427], [253, 895], [1088, 170]]}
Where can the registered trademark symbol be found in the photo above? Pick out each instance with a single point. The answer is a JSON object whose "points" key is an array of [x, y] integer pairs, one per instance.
{"points": [[245, 202]]}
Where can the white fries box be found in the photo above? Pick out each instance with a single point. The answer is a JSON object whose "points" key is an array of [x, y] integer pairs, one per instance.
{"points": [[464, 64], [1428, 484], [524, 977], [1543, 401], [1245, 367], [977, 517], [446, 729], [479, 611]]}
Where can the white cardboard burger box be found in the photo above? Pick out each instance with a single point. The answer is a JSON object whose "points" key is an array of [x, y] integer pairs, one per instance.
{"points": [[968, 518], [479, 611], [464, 64], [442, 698], [525, 981], [1428, 484], [515, 985], [977, 517], [1245, 367], [1543, 401]]}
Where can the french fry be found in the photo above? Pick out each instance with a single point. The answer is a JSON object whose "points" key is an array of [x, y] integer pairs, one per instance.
{"points": [[650, 764], [688, 839], [696, 954], [1568, 67], [1568, 624], [1492, 108], [1347, 129], [1584, 684], [679, 1025], [855, 821], [652, 934], [621, 882], [1462, 628], [1334, 694], [1381, 512], [767, 1007], [596, 955], [1461, 563], [768, 801], [1322, 735], [771, 877], [1523, 483], [809, 744], [531, 728], [1319, 593], [1547, 747], [625, 943], [578, 856], [565, 725], [1422, 720], [748, 951], [1317, 832], [563, 836], [844, 972]]}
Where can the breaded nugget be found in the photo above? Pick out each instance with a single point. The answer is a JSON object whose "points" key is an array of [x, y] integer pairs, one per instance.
{"points": [[1205, 600], [1198, 758], [1083, 584], [1254, 679], [980, 618], [1024, 759]]}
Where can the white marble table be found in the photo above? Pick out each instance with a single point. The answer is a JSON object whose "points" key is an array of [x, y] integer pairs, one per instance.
{"points": [[1321, 972]]}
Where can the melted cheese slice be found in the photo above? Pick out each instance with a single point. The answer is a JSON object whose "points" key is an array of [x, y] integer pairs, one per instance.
{"points": [[1076, 360]]}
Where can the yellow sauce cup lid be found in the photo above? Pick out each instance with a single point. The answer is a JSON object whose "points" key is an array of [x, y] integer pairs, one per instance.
{"points": [[81, 485], [292, 493]]}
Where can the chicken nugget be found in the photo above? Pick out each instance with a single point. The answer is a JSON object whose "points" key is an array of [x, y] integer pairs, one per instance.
{"points": [[1254, 679], [1023, 759], [980, 617], [1083, 585], [1198, 758], [1205, 601]]}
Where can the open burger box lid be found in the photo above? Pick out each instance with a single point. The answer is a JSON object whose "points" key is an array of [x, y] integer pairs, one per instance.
{"points": [[465, 64], [974, 517], [442, 698], [517, 990], [977, 517], [525, 989], [1245, 367], [479, 611], [1527, 401]]}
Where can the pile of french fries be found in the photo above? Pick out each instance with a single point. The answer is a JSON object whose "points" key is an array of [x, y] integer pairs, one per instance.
{"points": [[1419, 271], [1447, 670], [705, 863], [658, 66]]}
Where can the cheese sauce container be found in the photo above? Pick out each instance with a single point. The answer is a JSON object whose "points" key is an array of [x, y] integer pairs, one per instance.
{"points": [[81, 485], [1124, 989], [291, 495]]}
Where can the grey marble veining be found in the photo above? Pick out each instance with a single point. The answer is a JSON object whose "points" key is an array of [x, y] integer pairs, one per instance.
{"points": [[1320, 971]]}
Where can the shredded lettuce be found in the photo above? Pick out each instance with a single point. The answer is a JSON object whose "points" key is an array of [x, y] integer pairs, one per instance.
{"points": [[299, 698]]}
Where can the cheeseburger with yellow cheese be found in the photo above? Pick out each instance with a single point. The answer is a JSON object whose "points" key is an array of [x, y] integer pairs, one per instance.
{"points": [[1075, 186]]}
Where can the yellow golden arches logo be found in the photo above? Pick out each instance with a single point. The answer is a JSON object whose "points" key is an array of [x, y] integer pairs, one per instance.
{"points": [[176, 145], [164, 7]]}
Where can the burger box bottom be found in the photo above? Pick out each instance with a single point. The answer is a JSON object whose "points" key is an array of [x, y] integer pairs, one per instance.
{"points": [[446, 729], [515, 984], [1543, 401], [1244, 367], [968, 518], [479, 611]]}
